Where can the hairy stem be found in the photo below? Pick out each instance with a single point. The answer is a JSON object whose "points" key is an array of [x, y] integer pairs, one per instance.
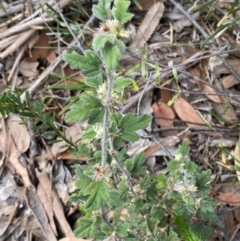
{"points": [[110, 81]]}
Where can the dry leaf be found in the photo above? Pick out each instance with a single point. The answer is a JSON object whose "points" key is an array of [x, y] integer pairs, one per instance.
{"points": [[146, 4], [229, 81], [41, 48], [47, 205], [18, 132], [209, 89], [230, 196], [162, 111], [186, 112], [38, 211], [166, 141], [166, 95], [74, 133], [28, 69], [148, 25], [56, 203], [182, 23]]}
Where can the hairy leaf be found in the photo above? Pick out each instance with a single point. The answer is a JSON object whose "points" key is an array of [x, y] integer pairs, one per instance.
{"points": [[102, 9], [99, 41], [120, 11], [98, 192]]}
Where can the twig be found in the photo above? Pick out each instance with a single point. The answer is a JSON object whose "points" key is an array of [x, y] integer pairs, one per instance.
{"points": [[206, 35], [68, 27]]}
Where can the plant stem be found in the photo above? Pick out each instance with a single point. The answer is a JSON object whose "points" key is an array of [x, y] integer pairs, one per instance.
{"points": [[110, 81]]}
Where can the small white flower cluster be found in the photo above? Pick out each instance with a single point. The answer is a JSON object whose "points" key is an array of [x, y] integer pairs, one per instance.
{"points": [[99, 130], [102, 91], [101, 173], [116, 28], [181, 187]]}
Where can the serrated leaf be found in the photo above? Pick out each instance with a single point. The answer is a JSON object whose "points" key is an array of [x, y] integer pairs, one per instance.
{"points": [[89, 64], [94, 81], [132, 122], [102, 9], [138, 161], [121, 46], [98, 192], [89, 134], [122, 228], [128, 165], [84, 229], [119, 11], [145, 182], [99, 41], [120, 83], [111, 55], [83, 180], [89, 106]]}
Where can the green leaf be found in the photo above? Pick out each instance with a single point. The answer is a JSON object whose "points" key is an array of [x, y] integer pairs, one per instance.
{"points": [[138, 161], [150, 225], [145, 182], [161, 180], [129, 136], [122, 228], [99, 41], [119, 11], [88, 64], [111, 55], [89, 106], [94, 81], [202, 179], [120, 83], [128, 165], [84, 229], [98, 192], [89, 134], [132, 122], [102, 9], [83, 180]]}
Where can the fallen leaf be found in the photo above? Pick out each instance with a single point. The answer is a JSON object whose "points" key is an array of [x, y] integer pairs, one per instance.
{"points": [[229, 195], [208, 89], [145, 5], [28, 69], [18, 132], [41, 47], [184, 22], [47, 205], [163, 116], [169, 141], [148, 25], [38, 211], [56, 203], [166, 96], [187, 113], [229, 81], [74, 133]]}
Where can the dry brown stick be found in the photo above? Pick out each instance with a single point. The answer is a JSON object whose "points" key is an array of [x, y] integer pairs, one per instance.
{"points": [[206, 35], [24, 25], [43, 76], [15, 65], [5, 42], [163, 75], [21, 40]]}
